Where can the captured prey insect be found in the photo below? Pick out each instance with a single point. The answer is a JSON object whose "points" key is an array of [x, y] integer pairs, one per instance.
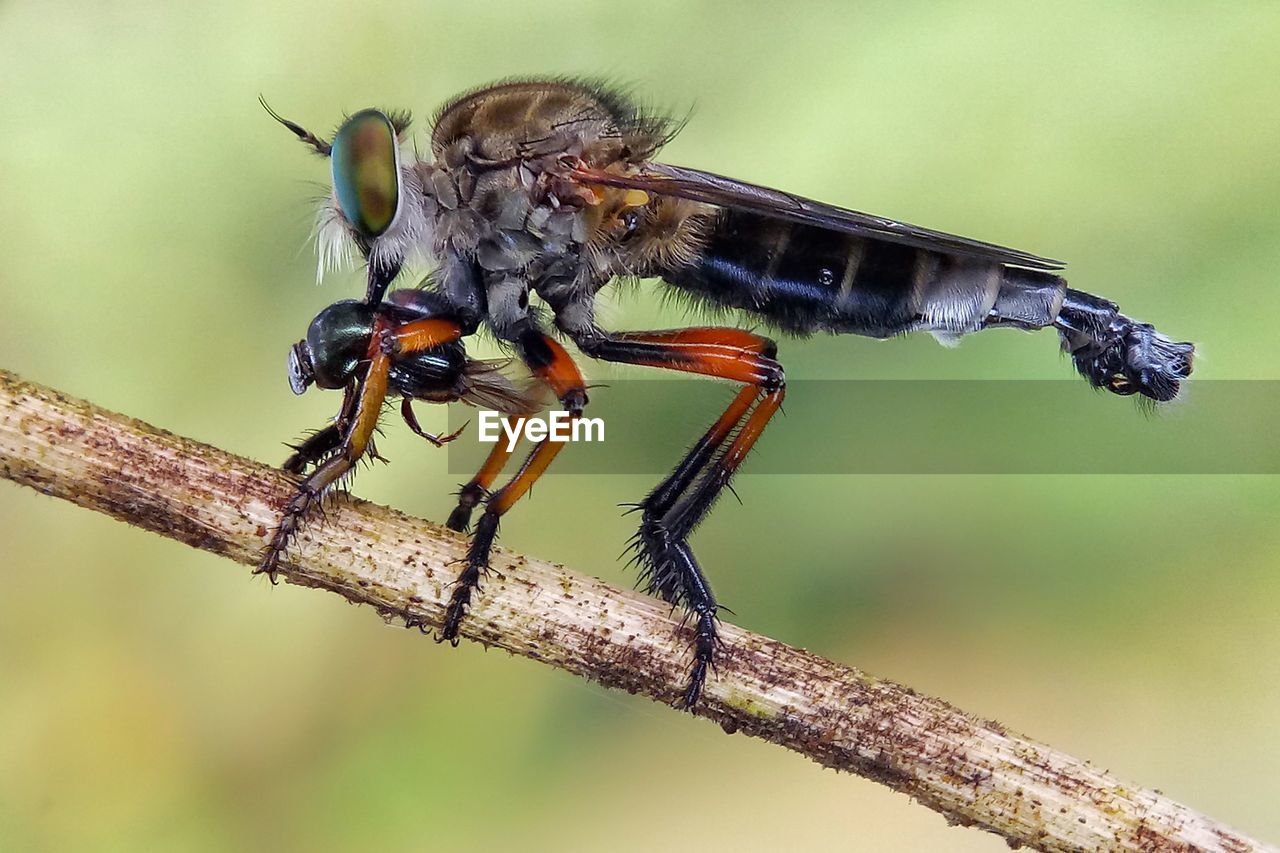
{"points": [[399, 347], [549, 188]]}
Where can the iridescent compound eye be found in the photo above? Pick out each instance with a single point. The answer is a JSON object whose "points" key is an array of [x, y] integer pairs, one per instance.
{"points": [[366, 172]]}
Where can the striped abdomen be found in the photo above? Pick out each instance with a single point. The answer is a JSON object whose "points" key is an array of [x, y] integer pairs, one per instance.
{"points": [[806, 279]]}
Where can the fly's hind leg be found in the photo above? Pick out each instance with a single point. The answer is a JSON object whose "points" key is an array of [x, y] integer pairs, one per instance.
{"points": [[664, 537], [674, 508], [667, 565]]}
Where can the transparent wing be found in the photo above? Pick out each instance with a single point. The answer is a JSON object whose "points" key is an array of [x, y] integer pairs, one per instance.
{"points": [[715, 189]]}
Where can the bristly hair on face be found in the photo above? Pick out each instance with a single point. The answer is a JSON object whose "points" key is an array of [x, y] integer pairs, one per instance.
{"points": [[335, 250]]}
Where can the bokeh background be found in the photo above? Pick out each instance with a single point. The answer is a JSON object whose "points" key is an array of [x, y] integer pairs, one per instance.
{"points": [[153, 258]]}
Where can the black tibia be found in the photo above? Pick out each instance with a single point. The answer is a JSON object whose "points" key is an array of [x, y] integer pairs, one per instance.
{"points": [[548, 361], [313, 448], [1120, 354], [667, 565], [671, 512], [324, 441], [675, 507]]}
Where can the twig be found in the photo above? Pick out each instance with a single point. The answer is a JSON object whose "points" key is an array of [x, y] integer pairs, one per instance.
{"points": [[973, 771]]}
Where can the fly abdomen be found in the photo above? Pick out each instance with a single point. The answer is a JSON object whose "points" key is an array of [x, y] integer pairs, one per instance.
{"points": [[801, 278], [1027, 299], [805, 279]]}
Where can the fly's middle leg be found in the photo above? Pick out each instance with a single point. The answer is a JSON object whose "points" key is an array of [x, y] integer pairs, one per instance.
{"points": [[549, 361], [475, 490]]}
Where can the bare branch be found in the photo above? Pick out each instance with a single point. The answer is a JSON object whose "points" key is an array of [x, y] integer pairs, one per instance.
{"points": [[973, 771]]}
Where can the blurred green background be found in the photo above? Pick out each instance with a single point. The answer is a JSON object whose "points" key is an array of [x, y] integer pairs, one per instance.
{"points": [[153, 258]]}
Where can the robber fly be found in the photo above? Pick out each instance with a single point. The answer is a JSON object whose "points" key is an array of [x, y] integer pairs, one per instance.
{"points": [[550, 188]]}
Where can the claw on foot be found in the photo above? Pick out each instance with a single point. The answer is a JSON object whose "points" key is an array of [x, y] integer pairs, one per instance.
{"points": [[694, 690], [467, 582], [269, 569]]}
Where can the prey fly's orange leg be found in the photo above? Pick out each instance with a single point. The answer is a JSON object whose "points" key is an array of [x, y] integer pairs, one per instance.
{"points": [[549, 361], [674, 508], [357, 422]]}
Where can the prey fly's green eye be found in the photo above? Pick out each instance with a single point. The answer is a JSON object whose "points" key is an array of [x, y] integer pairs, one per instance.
{"points": [[366, 172]]}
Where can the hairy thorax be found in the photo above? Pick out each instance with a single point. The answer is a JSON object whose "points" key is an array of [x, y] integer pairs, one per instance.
{"points": [[502, 195]]}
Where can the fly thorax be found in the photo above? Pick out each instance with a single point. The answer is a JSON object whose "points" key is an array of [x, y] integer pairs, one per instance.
{"points": [[505, 217]]}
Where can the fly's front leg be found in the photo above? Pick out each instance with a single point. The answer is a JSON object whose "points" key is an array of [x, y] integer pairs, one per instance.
{"points": [[372, 391], [469, 495], [380, 276], [550, 363], [313, 448], [673, 509], [384, 346]]}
